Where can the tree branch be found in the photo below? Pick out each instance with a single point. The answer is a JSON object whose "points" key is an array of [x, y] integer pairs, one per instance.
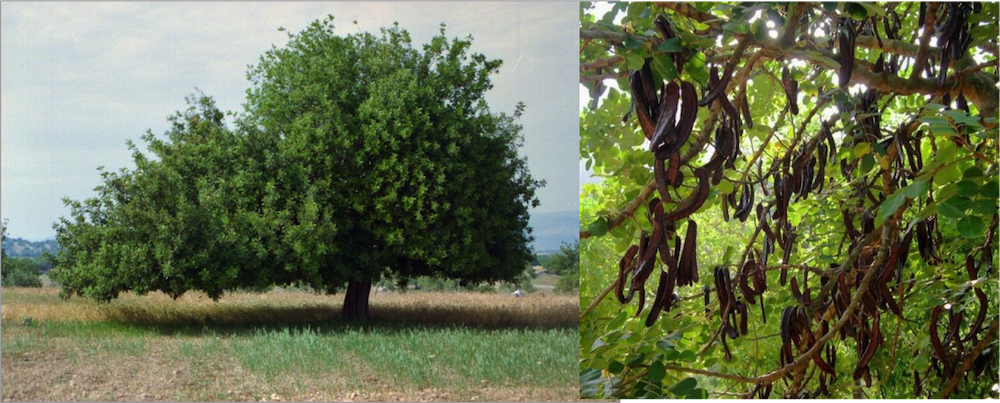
{"points": [[821, 342], [602, 34], [602, 77], [686, 10], [925, 41], [970, 359], [600, 63], [964, 72]]}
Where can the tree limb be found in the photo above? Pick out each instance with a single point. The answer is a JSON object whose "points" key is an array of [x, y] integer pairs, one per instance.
{"points": [[602, 34], [602, 77], [970, 359], [601, 63], [925, 39], [686, 10]]}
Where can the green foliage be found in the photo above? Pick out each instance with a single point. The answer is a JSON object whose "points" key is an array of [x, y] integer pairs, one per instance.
{"points": [[420, 176], [566, 264], [20, 272], [3, 237], [358, 157], [17, 272], [954, 186]]}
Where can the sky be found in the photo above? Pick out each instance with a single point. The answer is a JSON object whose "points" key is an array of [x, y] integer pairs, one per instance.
{"points": [[587, 176], [79, 79]]}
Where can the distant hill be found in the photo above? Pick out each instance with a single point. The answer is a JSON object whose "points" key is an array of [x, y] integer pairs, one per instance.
{"points": [[552, 229], [17, 247]]}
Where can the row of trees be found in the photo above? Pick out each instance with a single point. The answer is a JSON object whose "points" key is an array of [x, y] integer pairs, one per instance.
{"points": [[18, 272], [357, 157]]}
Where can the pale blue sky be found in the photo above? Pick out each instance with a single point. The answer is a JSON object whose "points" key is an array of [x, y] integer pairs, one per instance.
{"points": [[79, 79]]}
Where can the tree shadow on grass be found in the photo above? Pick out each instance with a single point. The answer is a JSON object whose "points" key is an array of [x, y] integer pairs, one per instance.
{"points": [[325, 318]]}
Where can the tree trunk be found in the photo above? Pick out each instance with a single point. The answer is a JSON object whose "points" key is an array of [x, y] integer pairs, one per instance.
{"points": [[356, 300]]}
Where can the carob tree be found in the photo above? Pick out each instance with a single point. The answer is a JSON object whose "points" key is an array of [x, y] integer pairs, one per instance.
{"points": [[357, 157], [863, 196]]}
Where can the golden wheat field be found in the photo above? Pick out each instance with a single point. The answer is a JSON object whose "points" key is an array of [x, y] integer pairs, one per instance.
{"points": [[469, 309], [288, 345]]}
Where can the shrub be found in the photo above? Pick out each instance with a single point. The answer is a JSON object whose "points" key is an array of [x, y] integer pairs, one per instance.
{"points": [[20, 272]]}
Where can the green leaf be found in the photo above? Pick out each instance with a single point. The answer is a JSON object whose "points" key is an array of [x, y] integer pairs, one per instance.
{"points": [[984, 207], [972, 172], [916, 189], [664, 66], [867, 162], [946, 152], [599, 227], [991, 190], [631, 43], [728, 256], [954, 207], [666, 345], [618, 321], [823, 60], [670, 45], [759, 30], [872, 9], [634, 61], [944, 211], [656, 372], [856, 11], [861, 149], [725, 186], [695, 68], [590, 382], [968, 188], [637, 10], [946, 175], [970, 226], [615, 367], [889, 207], [683, 387], [737, 26], [704, 6], [636, 360], [697, 394], [921, 362], [598, 343]]}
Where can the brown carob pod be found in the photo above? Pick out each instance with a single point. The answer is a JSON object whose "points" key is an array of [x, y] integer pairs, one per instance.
{"points": [[745, 108], [791, 91], [693, 202], [642, 110], [688, 262], [847, 37], [664, 130], [661, 298], [624, 266]]}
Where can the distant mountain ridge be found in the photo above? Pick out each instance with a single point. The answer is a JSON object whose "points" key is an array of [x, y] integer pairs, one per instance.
{"points": [[552, 229], [549, 229], [17, 247]]}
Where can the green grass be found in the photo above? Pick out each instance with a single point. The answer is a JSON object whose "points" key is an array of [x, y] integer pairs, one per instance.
{"points": [[137, 349], [415, 358]]}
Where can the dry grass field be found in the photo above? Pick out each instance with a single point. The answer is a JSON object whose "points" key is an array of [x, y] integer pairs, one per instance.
{"points": [[287, 345]]}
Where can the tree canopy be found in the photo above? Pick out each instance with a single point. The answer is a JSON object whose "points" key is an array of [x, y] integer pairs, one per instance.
{"points": [[806, 193], [357, 157]]}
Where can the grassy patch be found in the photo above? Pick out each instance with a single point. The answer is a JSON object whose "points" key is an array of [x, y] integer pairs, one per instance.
{"points": [[412, 359], [287, 345], [547, 279]]}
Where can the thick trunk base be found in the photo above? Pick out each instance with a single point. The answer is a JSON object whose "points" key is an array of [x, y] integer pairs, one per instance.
{"points": [[356, 301]]}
